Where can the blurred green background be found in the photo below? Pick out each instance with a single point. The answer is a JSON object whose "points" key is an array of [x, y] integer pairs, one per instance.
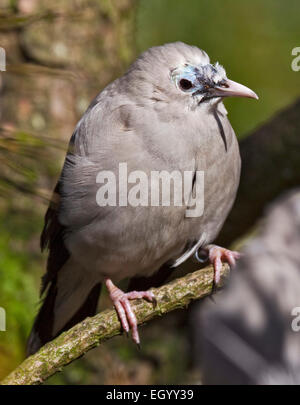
{"points": [[59, 56], [251, 39]]}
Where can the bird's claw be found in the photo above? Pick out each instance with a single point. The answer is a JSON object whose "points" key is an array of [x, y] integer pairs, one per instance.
{"points": [[124, 310], [217, 255]]}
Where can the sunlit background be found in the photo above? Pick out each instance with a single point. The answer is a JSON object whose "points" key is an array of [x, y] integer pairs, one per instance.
{"points": [[60, 54]]}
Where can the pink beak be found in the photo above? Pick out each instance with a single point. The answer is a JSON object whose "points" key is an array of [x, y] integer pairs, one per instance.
{"points": [[233, 89]]}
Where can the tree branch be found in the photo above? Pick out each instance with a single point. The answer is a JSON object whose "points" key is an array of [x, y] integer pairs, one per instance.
{"points": [[88, 334]]}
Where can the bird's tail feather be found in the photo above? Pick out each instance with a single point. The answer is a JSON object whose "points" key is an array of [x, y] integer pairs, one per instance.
{"points": [[63, 307]]}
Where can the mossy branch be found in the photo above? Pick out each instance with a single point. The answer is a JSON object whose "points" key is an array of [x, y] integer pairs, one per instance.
{"points": [[88, 334]]}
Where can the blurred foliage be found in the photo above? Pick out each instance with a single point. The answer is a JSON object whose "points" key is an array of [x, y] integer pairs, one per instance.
{"points": [[18, 290], [59, 55], [24, 159]]}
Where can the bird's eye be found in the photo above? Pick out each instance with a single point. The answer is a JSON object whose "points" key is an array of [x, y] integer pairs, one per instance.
{"points": [[185, 84]]}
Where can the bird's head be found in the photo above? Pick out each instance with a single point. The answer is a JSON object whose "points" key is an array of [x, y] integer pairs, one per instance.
{"points": [[178, 72], [205, 82]]}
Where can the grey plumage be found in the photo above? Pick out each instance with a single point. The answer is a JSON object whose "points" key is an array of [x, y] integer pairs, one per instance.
{"points": [[147, 121]]}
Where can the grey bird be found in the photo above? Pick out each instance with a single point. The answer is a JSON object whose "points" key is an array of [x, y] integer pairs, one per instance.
{"points": [[164, 114]]}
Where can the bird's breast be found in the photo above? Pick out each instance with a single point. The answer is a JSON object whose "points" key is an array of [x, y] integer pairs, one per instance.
{"points": [[218, 163]]}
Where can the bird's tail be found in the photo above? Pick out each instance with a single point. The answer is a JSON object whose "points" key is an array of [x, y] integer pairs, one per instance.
{"points": [[69, 300]]}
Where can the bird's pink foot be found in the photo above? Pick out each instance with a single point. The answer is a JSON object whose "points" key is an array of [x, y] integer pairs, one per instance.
{"points": [[217, 255], [122, 305]]}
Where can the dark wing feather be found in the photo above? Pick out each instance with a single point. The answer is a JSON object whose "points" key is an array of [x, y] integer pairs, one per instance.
{"points": [[52, 239]]}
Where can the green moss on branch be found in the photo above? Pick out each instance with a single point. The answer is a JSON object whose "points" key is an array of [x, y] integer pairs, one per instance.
{"points": [[84, 336]]}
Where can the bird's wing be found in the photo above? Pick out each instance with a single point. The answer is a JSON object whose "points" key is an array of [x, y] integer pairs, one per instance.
{"points": [[52, 239], [68, 296], [52, 234]]}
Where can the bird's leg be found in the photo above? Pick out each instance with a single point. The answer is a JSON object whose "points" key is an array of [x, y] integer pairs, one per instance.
{"points": [[217, 255], [122, 305]]}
